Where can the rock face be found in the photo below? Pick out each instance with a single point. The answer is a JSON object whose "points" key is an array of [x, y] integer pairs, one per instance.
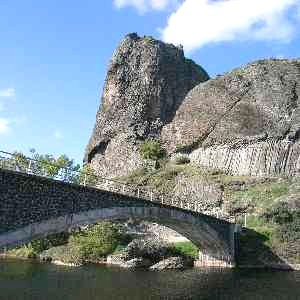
{"points": [[175, 262], [146, 82], [246, 122]]}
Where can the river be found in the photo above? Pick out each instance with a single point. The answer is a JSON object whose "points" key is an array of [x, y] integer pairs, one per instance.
{"points": [[26, 280]]}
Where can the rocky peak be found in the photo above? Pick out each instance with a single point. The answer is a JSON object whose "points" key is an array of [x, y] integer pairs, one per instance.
{"points": [[146, 82]]}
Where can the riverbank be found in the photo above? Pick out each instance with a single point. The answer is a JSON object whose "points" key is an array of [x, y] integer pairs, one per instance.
{"points": [[108, 243]]}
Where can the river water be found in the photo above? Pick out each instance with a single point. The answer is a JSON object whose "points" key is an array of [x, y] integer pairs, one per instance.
{"points": [[25, 280]]}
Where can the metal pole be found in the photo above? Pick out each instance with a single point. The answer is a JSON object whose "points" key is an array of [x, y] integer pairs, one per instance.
{"points": [[138, 195], [245, 220], [29, 167], [84, 181]]}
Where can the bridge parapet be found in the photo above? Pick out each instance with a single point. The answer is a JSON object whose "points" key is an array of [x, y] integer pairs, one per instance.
{"points": [[31, 166]]}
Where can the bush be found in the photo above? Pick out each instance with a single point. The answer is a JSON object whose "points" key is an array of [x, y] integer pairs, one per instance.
{"points": [[148, 39], [151, 149], [98, 241], [53, 240], [180, 160], [279, 213]]}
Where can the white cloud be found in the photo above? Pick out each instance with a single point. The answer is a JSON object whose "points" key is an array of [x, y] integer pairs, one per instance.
{"points": [[7, 93], [4, 126], [58, 135], [145, 5], [199, 22]]}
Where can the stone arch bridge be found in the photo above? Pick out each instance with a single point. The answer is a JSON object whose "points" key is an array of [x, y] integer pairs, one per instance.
{"points": [[33, 206]]}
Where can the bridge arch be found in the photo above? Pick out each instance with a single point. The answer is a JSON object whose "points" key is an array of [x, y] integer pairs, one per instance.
{"points": [[35, 207]]}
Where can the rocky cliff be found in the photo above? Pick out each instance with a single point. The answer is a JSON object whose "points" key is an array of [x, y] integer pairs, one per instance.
{"points": [[246, 122], [146, 82]]}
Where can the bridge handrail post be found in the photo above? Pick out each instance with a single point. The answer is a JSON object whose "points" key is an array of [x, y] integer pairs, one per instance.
{"points": [[29, 167]]}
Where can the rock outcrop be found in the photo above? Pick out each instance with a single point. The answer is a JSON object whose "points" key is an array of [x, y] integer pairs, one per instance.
{"points": [[136, 263], [175, 262], [246, 122], [146, 82]]}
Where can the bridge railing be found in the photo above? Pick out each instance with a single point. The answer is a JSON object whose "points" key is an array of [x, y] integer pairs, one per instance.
{"points": [[23, 164]]}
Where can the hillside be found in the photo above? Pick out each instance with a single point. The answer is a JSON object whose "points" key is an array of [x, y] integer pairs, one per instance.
{"points": [[227, 145]]}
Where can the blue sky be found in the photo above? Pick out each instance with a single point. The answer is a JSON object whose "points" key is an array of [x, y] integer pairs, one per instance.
{"points": [[54, 55]]}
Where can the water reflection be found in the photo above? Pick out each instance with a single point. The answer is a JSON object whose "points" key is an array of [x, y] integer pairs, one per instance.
{"points": [[30, 281]]}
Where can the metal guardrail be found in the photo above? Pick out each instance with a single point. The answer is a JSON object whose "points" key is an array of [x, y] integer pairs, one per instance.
{"points": [[32, 166]]}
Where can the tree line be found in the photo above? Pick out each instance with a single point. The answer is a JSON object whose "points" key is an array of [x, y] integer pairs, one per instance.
{"points": [[47, 165]]}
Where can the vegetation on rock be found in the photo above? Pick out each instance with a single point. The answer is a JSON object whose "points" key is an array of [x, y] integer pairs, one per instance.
{"points": [[96, 242], [151, 149], [271, 205]]}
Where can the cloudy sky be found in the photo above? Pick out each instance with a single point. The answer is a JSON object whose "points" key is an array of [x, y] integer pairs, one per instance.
{"points": [[54, 55]]}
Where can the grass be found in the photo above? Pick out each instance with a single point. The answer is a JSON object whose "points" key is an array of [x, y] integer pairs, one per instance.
{"points": [[186, 249], [259, 197], [119, 249], [24, 251]]}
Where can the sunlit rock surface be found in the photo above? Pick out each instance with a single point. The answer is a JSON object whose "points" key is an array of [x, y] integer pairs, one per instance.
{"points": [[245, 122], [146, 82]]}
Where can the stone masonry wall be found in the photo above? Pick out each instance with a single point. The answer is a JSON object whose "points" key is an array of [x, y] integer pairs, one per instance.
{"points": [[26, 199]]}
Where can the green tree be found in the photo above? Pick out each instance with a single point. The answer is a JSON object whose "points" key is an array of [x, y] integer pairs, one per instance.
{"points": [[86, 176]]}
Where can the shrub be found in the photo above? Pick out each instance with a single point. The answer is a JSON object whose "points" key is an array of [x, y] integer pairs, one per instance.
{"points": [[53, 240], [180, 160], [98, 241], [148, 39], [279, 213], [151, 149]]}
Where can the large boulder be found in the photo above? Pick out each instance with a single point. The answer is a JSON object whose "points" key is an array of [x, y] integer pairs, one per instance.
{"points": [[246, 122], [146, 82], [151, 248]]}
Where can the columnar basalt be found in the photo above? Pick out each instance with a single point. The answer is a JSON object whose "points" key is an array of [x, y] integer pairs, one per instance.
{"points": [[246, 122], [146, 82]]}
